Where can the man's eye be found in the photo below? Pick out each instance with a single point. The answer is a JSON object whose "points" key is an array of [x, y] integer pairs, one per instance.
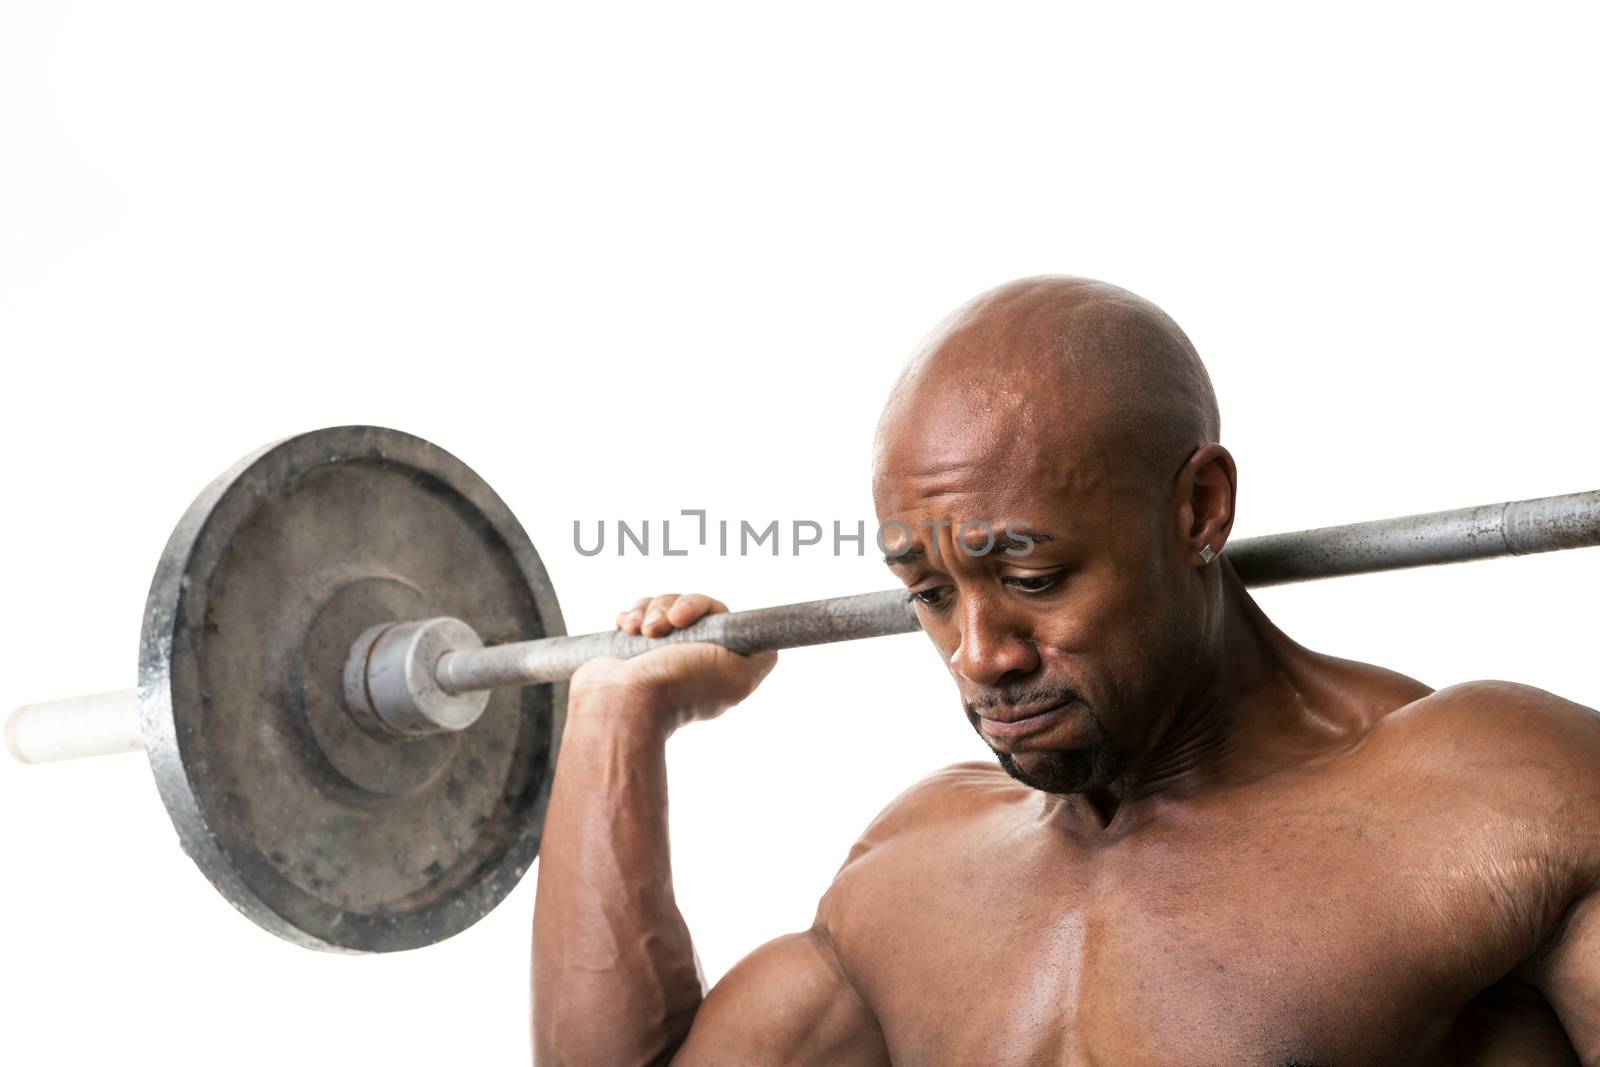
{"points": [[929, 597], [1035, 583]]}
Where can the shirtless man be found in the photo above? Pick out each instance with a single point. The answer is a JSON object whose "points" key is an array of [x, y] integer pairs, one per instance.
{"points": [[1203, 844]]}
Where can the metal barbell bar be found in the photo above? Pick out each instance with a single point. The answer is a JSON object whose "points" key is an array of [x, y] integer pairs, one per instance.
{"points": [[434, 675]]}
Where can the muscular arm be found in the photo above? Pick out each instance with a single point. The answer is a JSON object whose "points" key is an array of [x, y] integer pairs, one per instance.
{"points": [[615, 980], [788, 1004], [1555, 746], [1570, 970], [1571, 978]]}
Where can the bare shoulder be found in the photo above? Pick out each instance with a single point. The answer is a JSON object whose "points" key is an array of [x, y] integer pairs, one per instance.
{"points": [[941, 803], [1523, 764], [927, 821], [1519, 755], [1506, 722]]}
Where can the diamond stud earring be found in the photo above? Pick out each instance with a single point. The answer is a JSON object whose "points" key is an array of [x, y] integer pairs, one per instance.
{"points": [[1207, 553]]}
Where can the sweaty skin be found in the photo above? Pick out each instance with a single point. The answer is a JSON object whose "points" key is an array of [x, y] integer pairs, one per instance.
{"points": [[1199, 842]]}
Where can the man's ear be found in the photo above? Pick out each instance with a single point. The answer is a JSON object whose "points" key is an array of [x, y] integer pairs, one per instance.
{"points": [[1206, 489]]}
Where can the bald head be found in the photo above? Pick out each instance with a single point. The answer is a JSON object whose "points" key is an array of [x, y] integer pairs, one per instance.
{"points": [[1078, 419], [1100, 383]]}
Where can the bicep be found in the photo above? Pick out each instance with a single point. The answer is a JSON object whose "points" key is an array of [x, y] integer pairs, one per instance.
{"points": [[788, 1003], [1571, 979]]}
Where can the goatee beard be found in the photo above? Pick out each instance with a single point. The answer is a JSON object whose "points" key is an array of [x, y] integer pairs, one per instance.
{"points": [[1075, 771]]}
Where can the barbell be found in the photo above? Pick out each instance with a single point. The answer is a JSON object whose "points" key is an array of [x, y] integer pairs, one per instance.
{"points": [[352, 667]]}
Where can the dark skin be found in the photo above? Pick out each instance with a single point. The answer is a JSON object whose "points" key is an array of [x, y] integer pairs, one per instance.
{"points": [[1202, 844]]}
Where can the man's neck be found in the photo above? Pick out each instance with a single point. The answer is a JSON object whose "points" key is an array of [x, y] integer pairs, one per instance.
{"points": [[1259, 701]]}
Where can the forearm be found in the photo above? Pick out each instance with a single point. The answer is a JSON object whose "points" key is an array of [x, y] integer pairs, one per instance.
{"points": [[614, 975]]}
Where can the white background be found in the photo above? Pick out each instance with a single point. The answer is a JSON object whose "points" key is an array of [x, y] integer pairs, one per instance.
{"points": [[626, 259]]}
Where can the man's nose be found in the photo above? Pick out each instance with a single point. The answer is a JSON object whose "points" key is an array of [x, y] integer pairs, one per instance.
{"points": [[994, 643]]}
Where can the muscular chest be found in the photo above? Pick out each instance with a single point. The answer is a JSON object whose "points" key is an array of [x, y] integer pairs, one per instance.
{"points": [[1310, 937]]}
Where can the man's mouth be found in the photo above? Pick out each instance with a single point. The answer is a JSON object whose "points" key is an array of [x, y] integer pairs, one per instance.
{"points": [[1011, 723]]}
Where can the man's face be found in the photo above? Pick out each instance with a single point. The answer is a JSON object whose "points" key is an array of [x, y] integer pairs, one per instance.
{"points": [[1067, 636]]}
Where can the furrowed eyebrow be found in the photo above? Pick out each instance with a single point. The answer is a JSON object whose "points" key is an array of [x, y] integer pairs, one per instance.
{"points": [[1007, 543], [905, 556]]}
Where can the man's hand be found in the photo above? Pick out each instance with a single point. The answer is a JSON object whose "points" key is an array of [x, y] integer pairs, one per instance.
{"points": [[670, 686]]}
